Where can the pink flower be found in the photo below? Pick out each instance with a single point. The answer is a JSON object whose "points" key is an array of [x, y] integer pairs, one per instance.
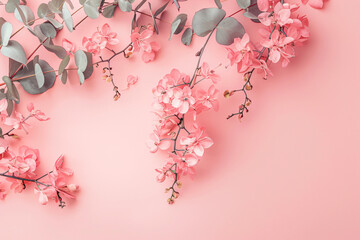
{"points": [[68, 46], [17, 122], [207, 99], [197, 142], [157, 142], [131, 80], [108, 36], [100, 39], [242, 54], [314, 3], [279, 47], [281, 15], [37, 113], [43, 199], [183, 99], [264, 5], [59, 167], [141, 42], [25, 163], [207, 73], [189, 159]]}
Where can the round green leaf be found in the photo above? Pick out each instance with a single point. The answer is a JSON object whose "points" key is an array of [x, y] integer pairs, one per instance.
{"points": [[229, 29], [29, 82], [81, 60], [48, 30], [6, 30], [39, 75], [109, 11], [67, 18], [244, 3], [125, 5], [206, 20], [24, 14], [187, 36], [14, 51]]}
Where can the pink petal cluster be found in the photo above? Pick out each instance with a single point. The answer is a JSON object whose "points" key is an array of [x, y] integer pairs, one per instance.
{"points": [[177, 99], [18, 169], [69, 46], [100, 39], [141, 39], [266, 5]]}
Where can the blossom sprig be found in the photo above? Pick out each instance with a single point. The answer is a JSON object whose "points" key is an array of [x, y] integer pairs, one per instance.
{"points": [[283, 30], [18, 170], [178, 98]]}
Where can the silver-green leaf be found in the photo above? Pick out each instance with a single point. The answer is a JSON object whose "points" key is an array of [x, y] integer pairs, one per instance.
{"points": [[67, 18], [229, 29], [206, 20], [187, 36], [81, 60], [244, 3], [14, 51], [6, 30], [39, 75]]}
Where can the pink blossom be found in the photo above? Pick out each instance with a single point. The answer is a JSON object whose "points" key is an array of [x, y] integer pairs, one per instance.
{"points": [[131, 80], [208, 73], [157, 142], [59, 169], [17, 121], [207, 99], [197, 142], [281, 16], [242, 54], [189, 159], [141, 42], [107, 35], [183, 99], [24, 163], [68, 46], [278, 45], [314, 3], [37, 113]]}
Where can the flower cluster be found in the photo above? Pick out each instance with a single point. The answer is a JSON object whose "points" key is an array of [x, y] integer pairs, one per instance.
{"points": [[141, 39], [178, 97], [265, 5], [19, 169], [100, 39], [284, 29]]}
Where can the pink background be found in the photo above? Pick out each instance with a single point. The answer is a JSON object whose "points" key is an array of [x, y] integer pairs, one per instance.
{"points": [[290, 170]]}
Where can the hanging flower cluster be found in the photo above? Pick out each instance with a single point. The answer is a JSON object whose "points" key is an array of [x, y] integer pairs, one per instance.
{"points": [[177, 98], [17, 170], [283, 30]]}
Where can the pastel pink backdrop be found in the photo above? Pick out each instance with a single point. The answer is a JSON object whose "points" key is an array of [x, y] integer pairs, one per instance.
{"points": [[289, 170]]}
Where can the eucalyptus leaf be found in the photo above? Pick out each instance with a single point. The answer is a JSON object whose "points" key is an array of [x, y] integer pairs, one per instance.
{"points": [[66, 15], [12, 93], [14, 51], [177, 4], [154, 20], [140, 5], [6, 30], [56, 6], [244, 3], [90, 67], [254, 10], [206, 20], [81, 60], [63, 77], [48, 30], [218, 4], [11, 5], [229, 29], [178, 24], [125, 5], [81, 76], [91, 8], [109, 11], [39, 75], [24, 14], [160, 10], [64, 63], [10, 107], [28, 80], [58, 50], [44, 11], [187, 36], [250, 15], [13, 66]]}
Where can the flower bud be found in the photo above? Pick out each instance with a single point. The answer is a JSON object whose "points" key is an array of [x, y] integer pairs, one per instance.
{"points": [[72, 187], [171, 201], [176, 195]]}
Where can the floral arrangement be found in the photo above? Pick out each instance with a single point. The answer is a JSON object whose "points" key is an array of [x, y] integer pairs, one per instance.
{"points": [[179, 97]]}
